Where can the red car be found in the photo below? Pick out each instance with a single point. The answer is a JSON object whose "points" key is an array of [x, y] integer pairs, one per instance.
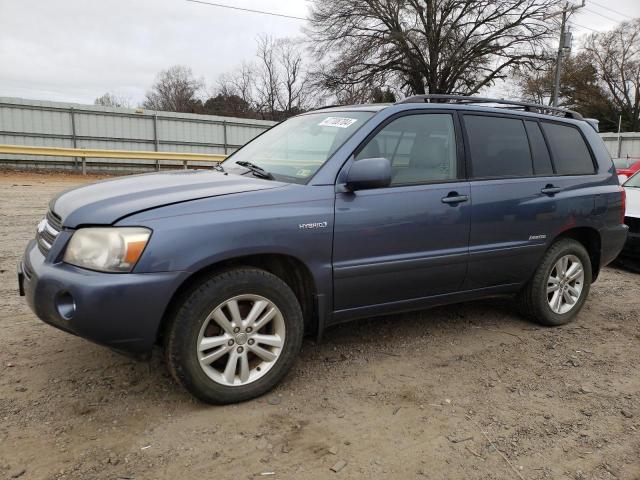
{"points": [[627, 166]]}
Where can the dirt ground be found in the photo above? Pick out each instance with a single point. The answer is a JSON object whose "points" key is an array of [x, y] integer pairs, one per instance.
{"points": [[462, 392]]}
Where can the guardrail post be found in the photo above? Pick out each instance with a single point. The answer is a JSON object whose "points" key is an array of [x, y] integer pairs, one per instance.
{"points": [[74, 139], [155, 138], [224, 133]]}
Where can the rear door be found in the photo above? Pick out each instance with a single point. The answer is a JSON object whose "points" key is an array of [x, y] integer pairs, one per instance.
{"points": [[514, 198], [407, 241]]}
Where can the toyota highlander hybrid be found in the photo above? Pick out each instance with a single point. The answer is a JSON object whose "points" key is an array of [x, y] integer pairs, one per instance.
{"points": [[335, 214]]}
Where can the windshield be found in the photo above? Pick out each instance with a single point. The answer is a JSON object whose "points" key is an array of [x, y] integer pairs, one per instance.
{"points": [[294, 150], [633, 181]]}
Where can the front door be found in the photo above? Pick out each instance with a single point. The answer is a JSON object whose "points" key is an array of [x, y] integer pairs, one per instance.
{"points": [[409, 240]]}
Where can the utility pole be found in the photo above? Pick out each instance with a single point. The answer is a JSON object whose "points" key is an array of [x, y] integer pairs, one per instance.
{"points": [[564, 44]]}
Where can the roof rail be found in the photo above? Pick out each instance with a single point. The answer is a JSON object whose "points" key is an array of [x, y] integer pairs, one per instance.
{"points": [[510, 104]]}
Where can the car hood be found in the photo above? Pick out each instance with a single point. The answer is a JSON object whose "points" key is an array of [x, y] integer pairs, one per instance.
{"points": [[633, 202], [105, 202]]}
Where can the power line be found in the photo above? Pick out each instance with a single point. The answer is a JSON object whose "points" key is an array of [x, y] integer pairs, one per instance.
{"points": [[625, 15], [603, 16], [250, 10], [582, 26]]}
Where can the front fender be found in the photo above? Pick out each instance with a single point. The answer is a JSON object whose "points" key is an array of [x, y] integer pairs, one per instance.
{"points": [[194, 235]]}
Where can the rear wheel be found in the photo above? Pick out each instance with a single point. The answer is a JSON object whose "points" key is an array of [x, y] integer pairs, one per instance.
{"points": [[235, 336], [560, 285]]}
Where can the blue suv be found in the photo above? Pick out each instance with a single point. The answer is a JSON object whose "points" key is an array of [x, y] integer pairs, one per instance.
{"points": [[336, 214]]}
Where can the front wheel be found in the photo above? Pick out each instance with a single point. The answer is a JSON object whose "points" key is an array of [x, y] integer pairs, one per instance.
{"points": [[235, 336], [560, 285]]}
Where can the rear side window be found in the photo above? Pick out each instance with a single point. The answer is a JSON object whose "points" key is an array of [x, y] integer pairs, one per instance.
{"points": [[499, 147], [541, 158], [571, 155]]}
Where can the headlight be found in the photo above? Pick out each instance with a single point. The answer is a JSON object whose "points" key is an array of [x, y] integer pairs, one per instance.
{"points": [[107, 249]]}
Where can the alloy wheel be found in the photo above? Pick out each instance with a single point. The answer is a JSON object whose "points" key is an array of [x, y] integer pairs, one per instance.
{"points": [[241, 340], [565, 284]]}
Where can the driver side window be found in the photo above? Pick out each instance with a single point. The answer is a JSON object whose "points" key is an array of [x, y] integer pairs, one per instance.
{"points": [[421, 148]]}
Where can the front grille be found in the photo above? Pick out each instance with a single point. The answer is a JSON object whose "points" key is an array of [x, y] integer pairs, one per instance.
{"points": [[48, 230], [633, 223]]}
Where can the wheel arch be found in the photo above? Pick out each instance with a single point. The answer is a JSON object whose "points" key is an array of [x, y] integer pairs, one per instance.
{"points": [[590, 239], [295, 273]]}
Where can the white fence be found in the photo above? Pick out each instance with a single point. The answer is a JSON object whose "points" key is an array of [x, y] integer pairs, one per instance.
{"points": [[624, 145], [54, 124]]}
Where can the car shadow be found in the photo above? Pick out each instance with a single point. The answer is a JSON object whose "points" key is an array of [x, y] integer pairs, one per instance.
{"points": [[626, 264], [108, 378]]}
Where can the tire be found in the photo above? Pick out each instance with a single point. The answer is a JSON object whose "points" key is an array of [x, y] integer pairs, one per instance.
{"points": [[200, 318], [535, 301]]}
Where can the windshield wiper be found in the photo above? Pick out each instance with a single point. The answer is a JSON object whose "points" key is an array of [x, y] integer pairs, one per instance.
{"points": [[256, 170]]}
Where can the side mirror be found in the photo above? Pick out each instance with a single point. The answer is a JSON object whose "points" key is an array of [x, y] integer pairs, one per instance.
{"points": [[369, 173]]}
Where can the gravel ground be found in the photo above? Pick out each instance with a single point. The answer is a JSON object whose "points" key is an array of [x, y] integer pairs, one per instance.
{"points": [[467, 392]]}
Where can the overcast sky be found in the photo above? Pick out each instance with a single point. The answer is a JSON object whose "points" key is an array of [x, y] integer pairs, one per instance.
{"points": [[76, 50]]}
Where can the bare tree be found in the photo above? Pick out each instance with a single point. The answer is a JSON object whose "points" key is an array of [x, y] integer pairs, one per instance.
{"points": [[426, 46], [354, 94], [293, 92], [112, 100], [616, 57], [231, 96], [272, 87], [580, 88], [240, 82], [234, 93], [267, 81], [175, 90]]}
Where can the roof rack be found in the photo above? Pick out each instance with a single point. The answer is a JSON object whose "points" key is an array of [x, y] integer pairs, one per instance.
{"points": [[510, 104]]}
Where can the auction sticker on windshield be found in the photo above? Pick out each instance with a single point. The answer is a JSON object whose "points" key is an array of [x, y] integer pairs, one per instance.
{"points": [[340, 122]]}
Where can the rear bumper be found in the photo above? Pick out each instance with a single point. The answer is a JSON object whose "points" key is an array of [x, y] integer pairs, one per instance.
{"points": [[122, 311], [612, 241]]}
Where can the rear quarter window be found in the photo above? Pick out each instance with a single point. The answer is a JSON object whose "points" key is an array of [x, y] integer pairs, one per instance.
{"points": [[571, 155], [541, 157]]}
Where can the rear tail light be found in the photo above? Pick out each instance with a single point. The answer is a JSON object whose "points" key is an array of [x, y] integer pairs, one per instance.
{"points": [[624, 203]]}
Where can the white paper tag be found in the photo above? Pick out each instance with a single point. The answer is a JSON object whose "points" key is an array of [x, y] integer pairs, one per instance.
{"points": [[339, 122]]}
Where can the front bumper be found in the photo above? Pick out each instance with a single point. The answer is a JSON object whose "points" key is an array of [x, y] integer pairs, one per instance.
{"points": [[121, 311]]}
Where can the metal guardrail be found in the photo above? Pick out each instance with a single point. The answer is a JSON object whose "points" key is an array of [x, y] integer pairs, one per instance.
{"points": [[85, 153]]}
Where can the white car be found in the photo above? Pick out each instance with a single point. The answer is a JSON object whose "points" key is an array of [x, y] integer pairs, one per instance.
{"points": [[632, 217]]}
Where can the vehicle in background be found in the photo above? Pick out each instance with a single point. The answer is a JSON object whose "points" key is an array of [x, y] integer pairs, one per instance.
{"points": [[336, 214], [630, 255], [626, 166]]}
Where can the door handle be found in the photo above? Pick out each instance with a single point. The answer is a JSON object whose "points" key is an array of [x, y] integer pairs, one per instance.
{"points": [[550, 190], [454, 198]]}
